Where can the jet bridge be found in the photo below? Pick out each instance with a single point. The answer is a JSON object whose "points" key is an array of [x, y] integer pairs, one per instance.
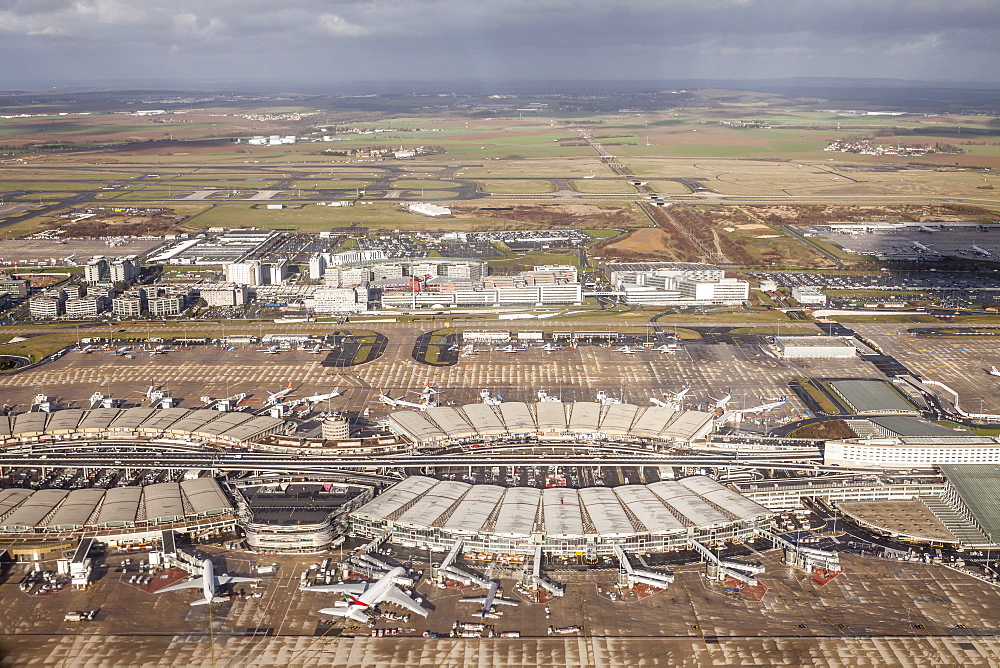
{"points": [[803, 556], [719, 569], [535, 577], [629, 576], [447, 569]]}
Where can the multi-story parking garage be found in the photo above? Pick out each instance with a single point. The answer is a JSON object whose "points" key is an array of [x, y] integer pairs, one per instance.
{"points": [[425, 513]]}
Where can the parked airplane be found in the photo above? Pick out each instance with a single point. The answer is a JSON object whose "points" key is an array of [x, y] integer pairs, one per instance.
{"points": [[627, 350], [667, 348], [550, 347], [920, 247], [361, 596], [981, 251], [721, 403], [924, 228], [270, 350], [316, 350], [121, 351], [273, 398], [316, 398], [993, 371], [489, 601], [87, 349], [510, 349], [397, 403], [762, 408], [209, 583]]}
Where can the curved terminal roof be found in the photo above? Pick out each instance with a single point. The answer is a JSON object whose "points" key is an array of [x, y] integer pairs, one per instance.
{"points": [[207, 424], [550, 420], [661, 508], [120, 508], [59, 510]]}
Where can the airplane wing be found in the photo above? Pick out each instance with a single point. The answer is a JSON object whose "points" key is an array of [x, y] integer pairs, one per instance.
{"points": [[481, 600], [343, 588], [190, 584], [397, 597], [221, 580], [504, 601]]}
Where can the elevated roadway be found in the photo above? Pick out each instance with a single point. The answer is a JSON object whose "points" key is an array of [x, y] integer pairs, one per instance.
{"points": [[149, 456]]}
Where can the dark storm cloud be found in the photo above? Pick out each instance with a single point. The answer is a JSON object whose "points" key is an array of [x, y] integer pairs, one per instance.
{"points": [[508, 39]]}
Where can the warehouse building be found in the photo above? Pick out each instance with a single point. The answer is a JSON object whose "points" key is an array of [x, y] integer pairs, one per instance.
{"points": [[815, 346], [429, 514], [872, 397]]}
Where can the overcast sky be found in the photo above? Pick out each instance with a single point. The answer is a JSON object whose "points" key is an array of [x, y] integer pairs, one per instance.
{"points": [[485, 40]]}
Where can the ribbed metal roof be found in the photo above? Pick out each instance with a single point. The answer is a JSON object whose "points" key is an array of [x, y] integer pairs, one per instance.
{"points": [[474, 509], [517, 417], [205, 496], [649, 509], [484, 419], [606, 512], [120, 507], [163, 502], [585, 416], [434, 503], [76, 509], [550, 417], [734, 503], [451, 421], [618, 419], [517, 512], [33, 510], [561, 513], [12, 498], [688, 504], [396, 497], [978, 485]]}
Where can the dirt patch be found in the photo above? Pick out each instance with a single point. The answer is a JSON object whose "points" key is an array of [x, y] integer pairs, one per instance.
{"points": [[645, 244], [821, 214], [124, 226], [559, 215]]}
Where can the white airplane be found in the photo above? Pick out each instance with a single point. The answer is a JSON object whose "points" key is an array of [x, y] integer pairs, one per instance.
{"points": [[359, 597], [667, 348], [469, 349], [762, 408], [924, 228], [316, 398], [86, 349], [510, 349], [993, 371], [721, 403], [489, 601], [270, 350], [209, 583], [589, 177], [316, 350], [427, 394], [920, 247], [121, 351], [627, 350], [397, 403], [981, 251], [550, 348], [273, 398]]}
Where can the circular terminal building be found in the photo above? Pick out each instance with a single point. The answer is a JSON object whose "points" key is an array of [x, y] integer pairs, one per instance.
{"points": [[430, 514]]}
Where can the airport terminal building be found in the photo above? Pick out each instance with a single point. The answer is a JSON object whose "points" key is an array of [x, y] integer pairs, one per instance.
{"points": [[654, 426], [429, 514], [198, 426]]}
